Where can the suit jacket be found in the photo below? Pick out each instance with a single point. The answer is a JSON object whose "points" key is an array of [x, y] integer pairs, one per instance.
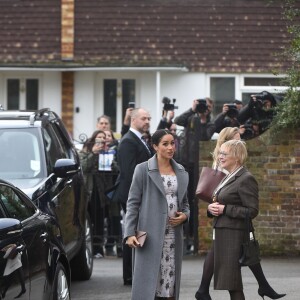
{"points": [[238, 194], [131, 151]]}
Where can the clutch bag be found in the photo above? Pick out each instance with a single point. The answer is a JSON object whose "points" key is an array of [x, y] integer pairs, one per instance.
{"points": [[141, 237]]}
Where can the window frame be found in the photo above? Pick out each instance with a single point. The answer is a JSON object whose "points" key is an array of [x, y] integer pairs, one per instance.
{"points": [[22, 93]]}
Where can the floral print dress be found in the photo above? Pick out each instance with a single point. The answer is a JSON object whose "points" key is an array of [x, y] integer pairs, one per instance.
{"points": [[166, 279]]}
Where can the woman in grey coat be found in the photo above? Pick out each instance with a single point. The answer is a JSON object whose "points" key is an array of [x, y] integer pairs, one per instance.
{"points": [[157, 203]]}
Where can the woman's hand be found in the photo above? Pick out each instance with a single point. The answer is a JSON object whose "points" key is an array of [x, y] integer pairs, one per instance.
{"points": [[132, 242], [179, 218], [97, 147], [216, 208]]}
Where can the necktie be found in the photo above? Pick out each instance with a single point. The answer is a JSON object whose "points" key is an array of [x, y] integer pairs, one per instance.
{"points": [[145, 143]]}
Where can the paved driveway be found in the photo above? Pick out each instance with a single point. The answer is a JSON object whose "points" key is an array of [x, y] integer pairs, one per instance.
{"points": [[106, 282]]}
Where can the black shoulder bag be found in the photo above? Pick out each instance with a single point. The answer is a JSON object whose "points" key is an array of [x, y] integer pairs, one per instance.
{"points": [[250, 254]]}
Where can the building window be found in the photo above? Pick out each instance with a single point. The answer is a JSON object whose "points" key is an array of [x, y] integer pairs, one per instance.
{"points": [[117, 94], [110, 100], [266, 81], [22, 94], [222, 90]]}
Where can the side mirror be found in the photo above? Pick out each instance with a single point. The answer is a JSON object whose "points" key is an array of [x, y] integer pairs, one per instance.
{"points": [[10, 228], [65, 167]]}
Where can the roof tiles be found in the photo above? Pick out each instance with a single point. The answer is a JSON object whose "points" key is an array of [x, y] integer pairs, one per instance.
{"points": [[207, 36]]}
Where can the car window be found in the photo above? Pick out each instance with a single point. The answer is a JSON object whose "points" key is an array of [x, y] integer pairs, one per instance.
{"points": [[20, 155], [56, 146], [15, 206], [54, 151], [65, 147]]}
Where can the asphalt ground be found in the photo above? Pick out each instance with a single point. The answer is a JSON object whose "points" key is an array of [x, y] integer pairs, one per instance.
{"points": [[106, 283]]}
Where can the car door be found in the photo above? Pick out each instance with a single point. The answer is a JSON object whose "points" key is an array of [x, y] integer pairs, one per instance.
{"points": [[28, 276], [63, 198]]}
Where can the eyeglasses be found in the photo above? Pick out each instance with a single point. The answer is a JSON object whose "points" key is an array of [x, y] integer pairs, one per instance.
{"points": [[223, 154]]}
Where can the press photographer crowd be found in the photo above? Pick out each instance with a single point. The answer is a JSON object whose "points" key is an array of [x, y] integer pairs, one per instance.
{"points": [[109, 164]]}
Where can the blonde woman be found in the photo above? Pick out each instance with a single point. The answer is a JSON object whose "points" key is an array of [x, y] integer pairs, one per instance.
{"points": [[226, 134], [238, 191]]}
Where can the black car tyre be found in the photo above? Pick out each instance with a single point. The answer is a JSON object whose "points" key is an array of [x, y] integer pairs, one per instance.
{"points": [[82, 263], [61, 289]]}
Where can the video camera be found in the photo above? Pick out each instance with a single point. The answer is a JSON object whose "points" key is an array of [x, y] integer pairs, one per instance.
{"points": [[168, 105], [201, 106], [261, 97]]}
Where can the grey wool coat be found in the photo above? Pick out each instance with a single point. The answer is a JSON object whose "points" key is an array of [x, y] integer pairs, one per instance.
{"points": [[147, 211]]}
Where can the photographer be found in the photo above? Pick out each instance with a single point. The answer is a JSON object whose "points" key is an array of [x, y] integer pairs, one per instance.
{"points": [[166, 120], [197, 127], [127, 118], [228, 116], [259, 111], [167, 114]]}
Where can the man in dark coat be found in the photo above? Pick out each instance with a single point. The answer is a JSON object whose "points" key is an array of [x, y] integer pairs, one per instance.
{"points": [[259, 111], [132, 151], [197, 127]]}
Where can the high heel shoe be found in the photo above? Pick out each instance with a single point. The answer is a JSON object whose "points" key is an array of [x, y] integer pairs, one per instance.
{"points": [[21, 293], [200, 296], [269, 292]]}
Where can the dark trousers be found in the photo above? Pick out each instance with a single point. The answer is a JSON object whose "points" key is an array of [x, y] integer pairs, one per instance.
{"points": [[97, 218], [191, 227], [127, 258]]}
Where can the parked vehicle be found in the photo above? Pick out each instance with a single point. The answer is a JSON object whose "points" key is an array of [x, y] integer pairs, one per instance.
{"points": [[38, 156], [33, 263]]}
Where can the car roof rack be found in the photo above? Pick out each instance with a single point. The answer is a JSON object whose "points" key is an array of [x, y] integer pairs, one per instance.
{"points": [[38, 114]]}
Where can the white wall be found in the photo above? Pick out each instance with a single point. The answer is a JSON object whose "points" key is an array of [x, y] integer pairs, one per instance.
{"points": [[184, 87], [50, 91], [88, 92], [84, 100], [88, 95]]}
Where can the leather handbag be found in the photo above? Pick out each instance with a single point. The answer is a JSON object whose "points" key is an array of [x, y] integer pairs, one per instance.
{"points": [[208, 181], [141, 237], [250, 253]]}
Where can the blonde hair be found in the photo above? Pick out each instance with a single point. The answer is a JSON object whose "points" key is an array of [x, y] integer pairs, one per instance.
{"points": [[237, 149], [225, 134]]}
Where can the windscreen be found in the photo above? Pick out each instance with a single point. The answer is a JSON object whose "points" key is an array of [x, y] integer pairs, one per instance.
{"points": [[20, 154]]}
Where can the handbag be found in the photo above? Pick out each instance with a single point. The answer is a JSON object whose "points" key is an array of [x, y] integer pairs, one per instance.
{"points": [[141, 237], [250, 253], [208, 181]]}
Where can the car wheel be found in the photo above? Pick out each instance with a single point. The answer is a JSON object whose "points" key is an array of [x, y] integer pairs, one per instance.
{"points": [[82, 264], [61, 290]]}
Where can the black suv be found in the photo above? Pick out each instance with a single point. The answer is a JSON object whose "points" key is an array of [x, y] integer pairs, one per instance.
{"points": [[37, 155]]}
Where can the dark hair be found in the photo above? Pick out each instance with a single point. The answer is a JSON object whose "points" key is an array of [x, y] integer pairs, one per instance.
{"points": [[88, 145], [158, 134]]}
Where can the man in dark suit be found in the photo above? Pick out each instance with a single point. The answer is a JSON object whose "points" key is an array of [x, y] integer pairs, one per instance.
{"points": [[132, 151]]}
